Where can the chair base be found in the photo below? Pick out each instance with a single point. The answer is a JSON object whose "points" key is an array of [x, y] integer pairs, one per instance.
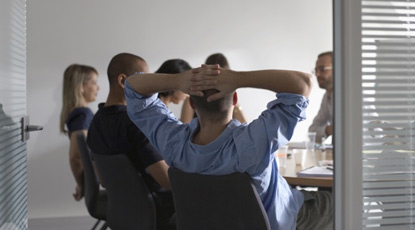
{"points": [[103, 227]]}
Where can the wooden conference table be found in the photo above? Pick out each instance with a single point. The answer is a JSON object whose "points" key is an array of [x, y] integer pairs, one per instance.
{"points": [[312, 159]]}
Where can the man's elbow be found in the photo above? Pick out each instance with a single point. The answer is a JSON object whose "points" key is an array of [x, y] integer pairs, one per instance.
{"points": [[159, 172], [306, 85]]}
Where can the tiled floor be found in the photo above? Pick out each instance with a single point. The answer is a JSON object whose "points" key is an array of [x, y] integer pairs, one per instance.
{"points": [[63, 223]]}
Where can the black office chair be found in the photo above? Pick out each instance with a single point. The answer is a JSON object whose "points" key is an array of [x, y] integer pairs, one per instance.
{"points": [[216, 202], [131, 205], [95, 199]]}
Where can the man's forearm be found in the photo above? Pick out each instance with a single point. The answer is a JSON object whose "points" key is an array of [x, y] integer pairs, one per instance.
{"points": [[279, 81], [148, 84], [276, 80], [228, 80]]}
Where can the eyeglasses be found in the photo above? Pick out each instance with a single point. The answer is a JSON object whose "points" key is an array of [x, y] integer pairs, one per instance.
{"points": [[320, 69]]}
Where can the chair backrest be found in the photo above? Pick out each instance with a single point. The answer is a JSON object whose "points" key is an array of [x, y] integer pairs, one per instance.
{"points": [[130, 203], [95, 201], [216, 202]]}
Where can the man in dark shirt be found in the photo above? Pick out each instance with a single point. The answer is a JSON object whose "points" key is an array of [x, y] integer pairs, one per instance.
{"points": [[112, 132]]}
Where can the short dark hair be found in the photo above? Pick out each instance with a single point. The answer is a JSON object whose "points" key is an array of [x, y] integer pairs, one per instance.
{"points": [[217, 58], [124, 63], [173, 66], [326, 53], [214, 109]]}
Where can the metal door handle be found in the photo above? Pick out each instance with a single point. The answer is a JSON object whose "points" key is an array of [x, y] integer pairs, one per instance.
{"points": [[26, 128], [31, 128]]}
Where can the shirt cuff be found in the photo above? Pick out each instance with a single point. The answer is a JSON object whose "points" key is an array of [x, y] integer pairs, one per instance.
{"points": [[289, 99]]}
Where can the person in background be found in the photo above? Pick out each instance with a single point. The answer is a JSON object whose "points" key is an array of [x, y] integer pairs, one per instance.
{"points": [[79, 89], [112, 132], [215, 144], [323, 122], [218, 58], [170, 67], [188, 113]]}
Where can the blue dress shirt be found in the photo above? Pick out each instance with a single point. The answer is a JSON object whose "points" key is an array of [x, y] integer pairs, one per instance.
{"points": [[240, 148]]}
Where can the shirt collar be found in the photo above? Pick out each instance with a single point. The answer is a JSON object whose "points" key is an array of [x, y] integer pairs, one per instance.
{"points": [[194, 127], [112, 108]]}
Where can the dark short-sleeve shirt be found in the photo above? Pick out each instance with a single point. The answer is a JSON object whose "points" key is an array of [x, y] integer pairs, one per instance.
{"points": [[79, 119], [112, 132]]}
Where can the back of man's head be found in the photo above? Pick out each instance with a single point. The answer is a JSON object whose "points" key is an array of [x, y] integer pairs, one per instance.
{"points": [[124, 63], [214, 110]]}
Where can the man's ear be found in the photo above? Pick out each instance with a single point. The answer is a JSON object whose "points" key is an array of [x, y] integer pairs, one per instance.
{"points": [[235, 98], [121, 80], [192, 104]]}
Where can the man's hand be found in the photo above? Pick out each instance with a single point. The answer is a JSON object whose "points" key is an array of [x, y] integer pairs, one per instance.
{"points": [[225, 83], [212, 77], [78, 193], [203, 78]]}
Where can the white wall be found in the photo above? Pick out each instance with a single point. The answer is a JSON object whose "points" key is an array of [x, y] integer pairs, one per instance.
{"points": [[260, 35]]}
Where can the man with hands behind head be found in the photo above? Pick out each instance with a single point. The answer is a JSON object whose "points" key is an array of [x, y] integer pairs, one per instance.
{"points": [[216, 144]]}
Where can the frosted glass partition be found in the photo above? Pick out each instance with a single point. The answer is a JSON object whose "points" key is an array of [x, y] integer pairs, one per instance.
{"points": [[13, 173]]}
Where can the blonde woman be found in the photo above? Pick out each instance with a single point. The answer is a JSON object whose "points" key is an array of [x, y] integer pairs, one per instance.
{"points": [[79, 89]]}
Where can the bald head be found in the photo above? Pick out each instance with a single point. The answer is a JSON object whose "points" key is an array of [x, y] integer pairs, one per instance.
{"points": [[127, 64]]}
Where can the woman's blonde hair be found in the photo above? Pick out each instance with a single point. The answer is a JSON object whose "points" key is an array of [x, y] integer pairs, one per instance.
{"points": [[74, 77]]}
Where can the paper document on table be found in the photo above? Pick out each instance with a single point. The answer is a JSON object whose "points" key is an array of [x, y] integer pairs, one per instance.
{"points": [[326, 163], [297, 145], [316, 171], [325, 146]]}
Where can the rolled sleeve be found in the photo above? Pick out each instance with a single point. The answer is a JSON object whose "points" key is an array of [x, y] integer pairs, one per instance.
{"points": [[136, 100], [297, 104], [274, 127], [156, 121]]}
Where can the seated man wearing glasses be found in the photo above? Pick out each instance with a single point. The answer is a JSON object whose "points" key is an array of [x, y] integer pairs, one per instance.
{"points": [[215, 144], [323, 123]]}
